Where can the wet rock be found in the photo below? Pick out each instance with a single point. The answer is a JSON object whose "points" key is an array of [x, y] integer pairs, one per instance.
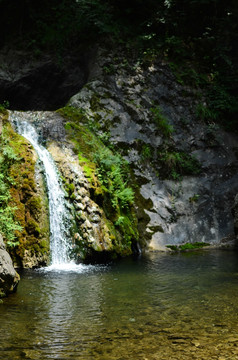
{"points": [[95, 218], [79, 206], [9, 278], [32, 260], [93, 234]]}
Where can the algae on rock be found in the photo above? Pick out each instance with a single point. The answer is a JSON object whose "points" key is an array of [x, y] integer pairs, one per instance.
{"points": [[28, 238], [107, 176]]}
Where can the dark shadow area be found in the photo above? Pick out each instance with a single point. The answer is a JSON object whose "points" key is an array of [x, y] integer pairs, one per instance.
{"points": [[46, 83]]}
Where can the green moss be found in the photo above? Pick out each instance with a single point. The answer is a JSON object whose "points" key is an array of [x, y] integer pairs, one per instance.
{"points": [[107, 173], [3, 108], [2, 295], [172, 247], [161, 122], [35, 203], [194, 198], [33, 228], [175, 164], [67, 126], [127, 227], [188, 246], [70, 188], [44, 246], [191, 246], [146, 152], [88, 167], [95, 102], [23, 198]]}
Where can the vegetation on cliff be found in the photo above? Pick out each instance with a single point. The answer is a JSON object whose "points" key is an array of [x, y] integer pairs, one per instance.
{"points": [[197, 38], [22, 222], [8, 226], [107, 173]]}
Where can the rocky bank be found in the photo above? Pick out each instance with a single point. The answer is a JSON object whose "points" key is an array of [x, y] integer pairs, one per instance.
{"points": [[9, 278]]}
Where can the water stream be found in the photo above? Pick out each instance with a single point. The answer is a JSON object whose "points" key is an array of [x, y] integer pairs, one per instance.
{"points": [[59, 214], [158, 307]]}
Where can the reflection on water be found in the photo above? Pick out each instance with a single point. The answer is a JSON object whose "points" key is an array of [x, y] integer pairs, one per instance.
{"points": [[182, 306]]}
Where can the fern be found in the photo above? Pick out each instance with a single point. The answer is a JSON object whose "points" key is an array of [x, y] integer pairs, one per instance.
{"points": [[8, 226], [112, 174]]}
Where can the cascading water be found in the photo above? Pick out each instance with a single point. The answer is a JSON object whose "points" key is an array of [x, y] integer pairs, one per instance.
{"points": [[59, 214]]}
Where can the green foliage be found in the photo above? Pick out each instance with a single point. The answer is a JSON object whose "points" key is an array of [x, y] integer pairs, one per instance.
{"points": [[146, 152], [162, 122], [22, 222], [8, 225], [220, 107], [73, 115], [188, 246], [69, 187], [198, 38], [111, 171], [176, 164], [108, 173], [205, 113], [191, 246], [187, 74], [109, 69], [127, 228], [4, 106], [194, 198], [172, 247]]}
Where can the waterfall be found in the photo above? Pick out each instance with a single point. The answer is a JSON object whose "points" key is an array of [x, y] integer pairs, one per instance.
{"points": [[59, 214]]}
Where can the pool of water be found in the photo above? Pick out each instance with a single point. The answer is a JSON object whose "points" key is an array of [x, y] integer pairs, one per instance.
{"points": [[181, 306]]}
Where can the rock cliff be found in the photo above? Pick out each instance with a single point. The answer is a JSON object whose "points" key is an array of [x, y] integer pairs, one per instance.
{"points": [[186, 168], [182, 169], [8, 276]]}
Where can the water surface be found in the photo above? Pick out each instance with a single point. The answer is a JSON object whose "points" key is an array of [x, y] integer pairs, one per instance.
{"points": [[182, 306]]}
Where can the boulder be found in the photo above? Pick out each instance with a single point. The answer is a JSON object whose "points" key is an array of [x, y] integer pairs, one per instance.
{"points": [[9, 278]]}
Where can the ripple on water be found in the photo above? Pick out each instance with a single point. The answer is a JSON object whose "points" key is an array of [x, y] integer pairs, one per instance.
{"points": [[160, 308], [72, 267]]}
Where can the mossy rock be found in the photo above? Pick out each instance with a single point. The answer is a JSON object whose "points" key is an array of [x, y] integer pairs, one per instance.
{"points": [[29, 207], [108, 186], [188, 246]]}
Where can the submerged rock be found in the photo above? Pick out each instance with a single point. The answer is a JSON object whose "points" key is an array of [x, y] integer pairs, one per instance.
{"points": [[9, 278]]}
